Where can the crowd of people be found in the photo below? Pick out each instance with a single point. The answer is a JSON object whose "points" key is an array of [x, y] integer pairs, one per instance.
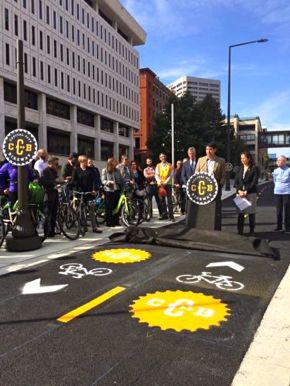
{"points": [[155, 181]]}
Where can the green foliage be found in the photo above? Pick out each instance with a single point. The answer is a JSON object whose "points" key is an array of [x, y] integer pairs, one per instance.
{"points": [[195, 124]]}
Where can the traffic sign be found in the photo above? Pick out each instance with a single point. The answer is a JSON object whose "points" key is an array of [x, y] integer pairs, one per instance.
{"points": [[228, 167], [19, 147]]}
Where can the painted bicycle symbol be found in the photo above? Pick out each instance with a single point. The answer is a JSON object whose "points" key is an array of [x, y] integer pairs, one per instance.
{"points": [[221, 281], [78, 271]]}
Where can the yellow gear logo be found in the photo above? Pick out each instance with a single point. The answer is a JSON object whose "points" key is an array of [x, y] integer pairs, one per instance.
{"points": [[179, 310], [123, 256]]}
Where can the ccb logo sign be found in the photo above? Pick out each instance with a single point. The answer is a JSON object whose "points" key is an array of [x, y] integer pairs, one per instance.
{"points": [[202, 188], [19, 147]]}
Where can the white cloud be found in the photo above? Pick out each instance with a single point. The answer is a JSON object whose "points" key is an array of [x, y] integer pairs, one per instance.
{"points": [[272, 110]]}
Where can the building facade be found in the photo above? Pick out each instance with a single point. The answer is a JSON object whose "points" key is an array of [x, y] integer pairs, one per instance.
{"points": [[81, 74], [198, 87], [248, 129], [153, 98]]}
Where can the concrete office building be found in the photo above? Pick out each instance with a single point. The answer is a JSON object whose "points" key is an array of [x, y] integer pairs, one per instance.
{"points": [[248, 129], [81, 74], [198, 87]]}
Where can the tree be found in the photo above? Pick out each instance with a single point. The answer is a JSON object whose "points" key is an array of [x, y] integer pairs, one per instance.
{"points": [[195, 124]]}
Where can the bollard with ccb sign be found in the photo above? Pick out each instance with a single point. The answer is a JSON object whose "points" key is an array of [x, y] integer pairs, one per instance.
{"points": [[19, 148], [202, 202]]}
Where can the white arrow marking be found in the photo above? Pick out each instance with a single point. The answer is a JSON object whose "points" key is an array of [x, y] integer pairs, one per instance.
{"points": [[33, 287], [231, 264]]}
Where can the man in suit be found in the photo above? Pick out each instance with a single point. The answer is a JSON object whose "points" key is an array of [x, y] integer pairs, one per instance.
{"points": [[188, 169], [188, 166], [215, 166]]}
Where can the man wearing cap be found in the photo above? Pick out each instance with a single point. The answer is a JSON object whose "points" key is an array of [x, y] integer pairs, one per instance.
{"points": [[215, 166]]}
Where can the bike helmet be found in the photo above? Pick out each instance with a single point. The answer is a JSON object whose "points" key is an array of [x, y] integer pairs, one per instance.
{"points": [[140, 192], [162, 191]]}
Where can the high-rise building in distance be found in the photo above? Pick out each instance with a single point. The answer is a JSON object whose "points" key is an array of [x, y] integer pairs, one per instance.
{"points": [[198, 87]]}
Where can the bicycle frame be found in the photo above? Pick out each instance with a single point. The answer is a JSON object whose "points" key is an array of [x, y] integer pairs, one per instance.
{"points": [[122, 200]]}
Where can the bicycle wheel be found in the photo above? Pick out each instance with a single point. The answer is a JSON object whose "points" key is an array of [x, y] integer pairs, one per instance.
{"points": [[2, 231], [188, 279], [82, 215], [130, 216], [230, 285], [39, 221], [143, 210], [100, 212], [68, 222]]}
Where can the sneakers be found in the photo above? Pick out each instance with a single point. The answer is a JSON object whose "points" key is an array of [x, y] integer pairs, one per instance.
{"points": [[172, 219]]}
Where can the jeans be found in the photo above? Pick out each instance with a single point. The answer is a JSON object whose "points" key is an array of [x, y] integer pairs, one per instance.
{"points": [[283, 205]]}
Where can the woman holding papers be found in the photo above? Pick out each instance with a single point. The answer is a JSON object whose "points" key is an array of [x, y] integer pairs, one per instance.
{"points": [[246, 182]]}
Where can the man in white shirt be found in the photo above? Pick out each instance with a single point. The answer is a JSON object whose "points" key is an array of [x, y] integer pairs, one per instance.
{"points": [[41, 162]]}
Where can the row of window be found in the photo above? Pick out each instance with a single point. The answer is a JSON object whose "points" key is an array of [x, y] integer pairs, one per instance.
{"points": [[60, 109], [58, 22], [58, 142], [58, 50], [57, 78]]}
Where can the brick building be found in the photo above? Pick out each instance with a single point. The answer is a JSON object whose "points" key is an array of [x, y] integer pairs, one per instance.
{"points": [[153, 97]]}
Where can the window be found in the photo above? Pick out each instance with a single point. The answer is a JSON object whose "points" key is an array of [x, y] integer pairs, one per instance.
{"points": [[68, 83], [61, 80], [40, 9], [67, 56], [25, 63], [41, 71], [107, 125], [25, 30], [48, 44], [33, 35], [16, 25], [24, 4], [47, 14], [7, 54], [124, 131], [61, 52], [33, 67], [55, 48], [86, 146], [41, 40], [58, 141], [85, 118], [54, 19], [55, 77], [107, 150], [6, 19], [48, 74], [10, 95], [60, 25], [32, 7], [58, 109]]}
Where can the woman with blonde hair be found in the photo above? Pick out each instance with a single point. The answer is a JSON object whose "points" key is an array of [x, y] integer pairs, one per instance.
{"points": [[112, 181]]}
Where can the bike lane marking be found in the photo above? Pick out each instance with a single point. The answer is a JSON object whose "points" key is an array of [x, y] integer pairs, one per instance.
{"points": [[91, 304]]}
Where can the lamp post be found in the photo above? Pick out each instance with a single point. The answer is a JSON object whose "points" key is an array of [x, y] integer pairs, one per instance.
{"points": [[228, 185]]}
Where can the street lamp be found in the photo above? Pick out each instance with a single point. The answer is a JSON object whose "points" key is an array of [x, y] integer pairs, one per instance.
{"points": [[228, 186]]}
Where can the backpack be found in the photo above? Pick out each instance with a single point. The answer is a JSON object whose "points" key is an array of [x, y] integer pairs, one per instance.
{"points": [[36, 193]]}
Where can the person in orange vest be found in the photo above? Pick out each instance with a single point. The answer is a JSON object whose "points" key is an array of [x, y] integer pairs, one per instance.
{"points": [[164, 173]]}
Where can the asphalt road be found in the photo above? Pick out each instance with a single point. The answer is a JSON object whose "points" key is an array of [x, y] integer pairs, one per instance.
{"points": [[138, 318]]}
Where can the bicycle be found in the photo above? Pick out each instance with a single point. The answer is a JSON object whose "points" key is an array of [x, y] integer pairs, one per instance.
{"points": [[67, 218], [131, 210], [81, 208], [78, 271], [220, 281], [8, 216], [100, 207]]}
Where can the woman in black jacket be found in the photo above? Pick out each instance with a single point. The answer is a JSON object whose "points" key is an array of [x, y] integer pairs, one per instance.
{"points": [[246, 182]]}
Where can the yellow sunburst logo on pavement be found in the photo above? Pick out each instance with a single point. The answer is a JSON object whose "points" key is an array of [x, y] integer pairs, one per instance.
{"points": [[179, 310], [123, 256]]}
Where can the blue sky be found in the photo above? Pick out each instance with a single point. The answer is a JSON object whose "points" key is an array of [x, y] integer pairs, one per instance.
{"points": [[191, 37]]}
